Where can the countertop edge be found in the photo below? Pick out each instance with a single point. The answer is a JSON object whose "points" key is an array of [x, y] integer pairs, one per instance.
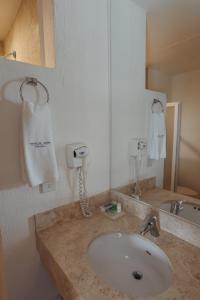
{"points": [[60, 279]]}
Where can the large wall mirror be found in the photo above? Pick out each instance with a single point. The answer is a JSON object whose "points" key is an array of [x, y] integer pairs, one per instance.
{"points": [[173, 64], [163, 38], [27, 31]]}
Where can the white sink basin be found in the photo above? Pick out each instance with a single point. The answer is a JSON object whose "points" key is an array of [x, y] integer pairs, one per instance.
{"points": [[131, 264]]}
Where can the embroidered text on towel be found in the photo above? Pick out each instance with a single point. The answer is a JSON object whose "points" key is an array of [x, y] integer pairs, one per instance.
{"points": [[40, 144]]}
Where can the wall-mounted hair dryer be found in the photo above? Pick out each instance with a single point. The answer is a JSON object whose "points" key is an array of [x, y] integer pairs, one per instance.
{"points": [[76, 155]]}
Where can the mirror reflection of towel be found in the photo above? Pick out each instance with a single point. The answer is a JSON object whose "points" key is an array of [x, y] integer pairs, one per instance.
{"points": [[157, 137], [37, 147]]}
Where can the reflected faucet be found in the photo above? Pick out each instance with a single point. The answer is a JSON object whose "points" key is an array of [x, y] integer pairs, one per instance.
{"points": [[137, 191], [151, 225], [176, 206]]}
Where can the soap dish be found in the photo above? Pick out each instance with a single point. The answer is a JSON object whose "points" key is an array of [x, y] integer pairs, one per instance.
{"points": [[115, 215]]}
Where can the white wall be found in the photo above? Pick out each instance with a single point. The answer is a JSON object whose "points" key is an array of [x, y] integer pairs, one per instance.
{"points": [[130, 101], [80, 111], [2, 273]]}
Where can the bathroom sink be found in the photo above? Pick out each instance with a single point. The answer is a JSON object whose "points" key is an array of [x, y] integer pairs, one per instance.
{"points": [[186, 210], [131, 264]]}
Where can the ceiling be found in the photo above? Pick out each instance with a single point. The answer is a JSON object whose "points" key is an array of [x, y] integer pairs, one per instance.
{"points": [[173, 35], [8, 11]]}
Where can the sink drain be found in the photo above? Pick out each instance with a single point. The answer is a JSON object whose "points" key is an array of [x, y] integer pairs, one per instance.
{"points": [[137, 275]]}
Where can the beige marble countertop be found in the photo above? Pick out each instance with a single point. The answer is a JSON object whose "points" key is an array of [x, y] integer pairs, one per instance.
{"points": [[63, 249], [156, 197]]}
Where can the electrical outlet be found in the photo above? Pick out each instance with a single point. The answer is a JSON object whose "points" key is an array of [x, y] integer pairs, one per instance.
{"points": [[47, 187]]}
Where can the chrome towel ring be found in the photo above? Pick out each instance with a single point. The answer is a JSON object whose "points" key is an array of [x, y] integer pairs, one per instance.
{"points": [[34, 82], [156, 101]]}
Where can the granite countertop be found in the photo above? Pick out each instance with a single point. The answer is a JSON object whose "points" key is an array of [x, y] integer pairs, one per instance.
{"points": [[63, 250], [156, 197]]}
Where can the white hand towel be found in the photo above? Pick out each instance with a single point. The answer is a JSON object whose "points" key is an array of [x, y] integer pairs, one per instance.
{"points": [[157, 137], [39, 160]]}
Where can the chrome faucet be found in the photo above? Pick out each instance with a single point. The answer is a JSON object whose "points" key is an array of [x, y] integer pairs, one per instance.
{"points": [[151, 225], [176, 206]]}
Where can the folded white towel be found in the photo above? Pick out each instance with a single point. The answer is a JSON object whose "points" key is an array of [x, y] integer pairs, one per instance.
{"points": [[39, 160], [157, 137]]}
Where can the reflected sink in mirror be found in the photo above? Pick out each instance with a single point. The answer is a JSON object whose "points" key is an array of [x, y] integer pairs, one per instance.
{"points": [[187, 210], [131, 264]]}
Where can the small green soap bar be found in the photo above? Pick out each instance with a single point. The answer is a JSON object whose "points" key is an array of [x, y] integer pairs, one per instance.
{"points": [[114, 206]]}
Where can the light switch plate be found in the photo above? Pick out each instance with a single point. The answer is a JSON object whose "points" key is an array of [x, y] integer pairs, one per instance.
{"points": [[47, 187]]}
